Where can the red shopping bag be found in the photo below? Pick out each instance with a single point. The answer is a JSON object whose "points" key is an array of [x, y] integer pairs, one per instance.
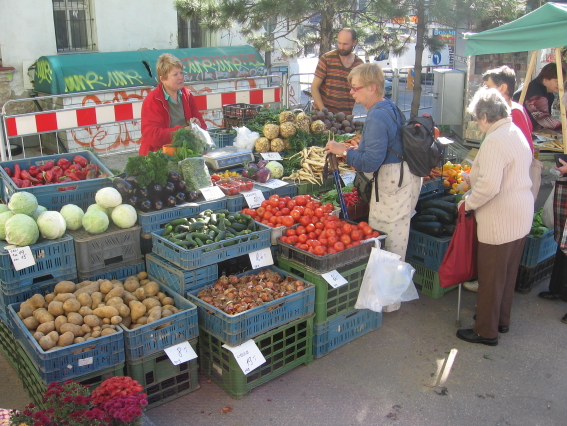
{"points": [[460, 261]]}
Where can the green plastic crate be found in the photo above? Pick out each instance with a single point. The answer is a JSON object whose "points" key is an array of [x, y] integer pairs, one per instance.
{"points": [[310, 188], [284, 348], [162, 381], [8, 344], [427, 282], [35, 388], [330, 302]]}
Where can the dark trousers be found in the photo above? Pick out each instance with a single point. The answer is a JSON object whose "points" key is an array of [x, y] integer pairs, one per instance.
{"points": [[497, 272], [558, 281]]}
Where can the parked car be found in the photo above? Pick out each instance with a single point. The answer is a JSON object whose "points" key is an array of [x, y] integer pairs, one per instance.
{"points": [[388, 88]]}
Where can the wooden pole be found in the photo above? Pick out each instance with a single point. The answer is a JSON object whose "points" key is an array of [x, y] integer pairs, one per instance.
{"points": [[561, 91], [531, 68]]}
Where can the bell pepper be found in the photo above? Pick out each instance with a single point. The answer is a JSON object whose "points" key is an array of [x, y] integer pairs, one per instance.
{"points": [[26, 183], [26, 176], [79, 159], [57, 173], [92, 171], [8, 171], [73, 176], [34, 171], [47, 166], [18, 182], [48, 176], [16, 171], [64, 163]]}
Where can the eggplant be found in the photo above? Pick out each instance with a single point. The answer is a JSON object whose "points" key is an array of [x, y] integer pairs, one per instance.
{"points": [[142, 193], [170, 201], [157, 204], [263, 175], [173, 176], [180, 197], [132, 180], [181, 186], [145, 205], [155, 189], [262, 163], [169, 188], [132, 200], [191, 196], [123, 187]]}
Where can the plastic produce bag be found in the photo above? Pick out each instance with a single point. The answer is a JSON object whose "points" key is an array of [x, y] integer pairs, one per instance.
{"points": [[547, 212], [203, 137], [195, 173], [387, 281], [245, 138]]}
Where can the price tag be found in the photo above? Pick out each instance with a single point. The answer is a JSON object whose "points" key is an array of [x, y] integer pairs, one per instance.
{"points": [[261, 258], [274, 183], [212, 193], [348, 177], [247, 355], [271, 155], [180, 353], [334, 278], [253, 198], [22, 257], [86, 361]]}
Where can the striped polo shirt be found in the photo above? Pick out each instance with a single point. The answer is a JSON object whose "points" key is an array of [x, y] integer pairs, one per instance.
{"points": [[335, 89]]}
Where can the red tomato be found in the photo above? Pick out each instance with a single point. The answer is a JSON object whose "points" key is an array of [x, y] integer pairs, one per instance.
{"points": [[287, 221], [330, 224], [273, 202], [329, 207], [356, 235], [279, 220], [319, 212], [318, 231], [349, 246], [302, 238], [274, 197], [261, 211], [310, 242], [268, 215], [367, 230], [305, 220], [310, 205], [300, 209], [345, 239], [292, 239], [286, 198], [290, 232], [332, 240], [269, 208], [295, 214], [331, 232], [265, 203], [339, 231], [319, 251], [274, 220], [281, 204], [300, 230], [361, 225], [355, 243], [284, 240], [339, 246], [291, 204], [308, 211], [253, 213], [347, 228], [319, 225], [303, 247], [310, 227], [312, 235], [300, 200], [375, 234], [285, 211], [278, 213], [332, 250]]}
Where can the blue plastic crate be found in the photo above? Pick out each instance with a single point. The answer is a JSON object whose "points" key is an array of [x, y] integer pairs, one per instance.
{"points": [[69, 362], [120, 274], [434, 186], [539, 249], [178, 279], [53, 259], [222, 137], [198, 257], [236, 329], [53, 197], [154, 221], [163, 333], [289, 190], [426, 250], [236, 203], [343, 329]]}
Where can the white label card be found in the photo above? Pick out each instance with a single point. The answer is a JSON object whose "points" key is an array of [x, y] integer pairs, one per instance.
{"points": [[274, 183], [348, 177], [247, 355], [22, 257], [180, 353], [253, 198], [271, 155], [261, 258], [86, 361], [212, 193], [334, 278]]}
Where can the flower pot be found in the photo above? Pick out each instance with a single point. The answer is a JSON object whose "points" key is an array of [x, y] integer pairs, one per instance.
{"points": [[169, 149]]}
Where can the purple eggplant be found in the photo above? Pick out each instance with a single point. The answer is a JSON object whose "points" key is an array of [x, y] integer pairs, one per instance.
{"points": [[263, 175], [191, 196], [142, 193], [155, 190], [181, 186], [157, 205], [123, 187], [173, 176], [170, 201], [132, 180], [145, 205], [169, 188], [132, 200], [180, 197]]}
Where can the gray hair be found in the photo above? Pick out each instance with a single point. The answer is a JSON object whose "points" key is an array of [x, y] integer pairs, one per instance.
{"points": [[489, 104]]}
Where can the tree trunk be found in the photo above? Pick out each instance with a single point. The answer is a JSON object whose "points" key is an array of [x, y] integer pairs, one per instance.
{"points": [[326, 31], [419, 47]]}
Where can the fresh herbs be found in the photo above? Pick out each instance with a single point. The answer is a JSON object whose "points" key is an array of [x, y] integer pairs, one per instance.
{"points": [[291, 165], [538, 229], [264, 116], [184, 152], [186, 137], [332, 196], [303, 139], [148, 168]]}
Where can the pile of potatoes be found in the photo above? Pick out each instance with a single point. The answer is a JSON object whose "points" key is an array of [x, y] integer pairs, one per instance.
{"points": [[76, 313]]}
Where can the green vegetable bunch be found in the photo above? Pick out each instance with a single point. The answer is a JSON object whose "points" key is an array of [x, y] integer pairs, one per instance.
{"points": [[303, 139], [332, 196], [148, 168], [537, 226], [264, 116]]}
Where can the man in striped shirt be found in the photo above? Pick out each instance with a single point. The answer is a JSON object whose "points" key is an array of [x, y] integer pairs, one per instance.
{"points": [[330, 88]]}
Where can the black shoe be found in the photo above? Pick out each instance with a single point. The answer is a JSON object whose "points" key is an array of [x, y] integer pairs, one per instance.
{"points": [[506, 329], [564, 319], [548, 295], [468, 335]]}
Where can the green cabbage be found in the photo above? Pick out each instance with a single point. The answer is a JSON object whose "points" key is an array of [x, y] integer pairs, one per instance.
{"points": [[4, 208], [124, 216], [51, 225], [23, 203], [108, 197], [276, 169], [95, 221], [97, 207], [38, 211], [73, 216], [3, 219], [21, 230]]}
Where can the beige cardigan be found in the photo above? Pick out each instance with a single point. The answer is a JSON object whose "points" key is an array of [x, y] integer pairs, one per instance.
{"points": [[500, 182]]}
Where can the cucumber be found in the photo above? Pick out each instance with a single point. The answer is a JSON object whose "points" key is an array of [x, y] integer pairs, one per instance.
{"points": [[231, 218], [199, 242], [209, 242], [214, 219], [200, 235], [214, 228], [225, 211], [435, 229], [442, 215], [181, 221], [212, 234], [168, 230], [228, 243], [222, 225], [424, 218], [231, 230], [196, 226], [442, 205], [220, 236], [245, 216], [181, 236], [238, 226], [251, 225]]}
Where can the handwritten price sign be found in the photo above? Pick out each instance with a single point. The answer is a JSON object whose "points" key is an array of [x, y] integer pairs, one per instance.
{"points": [[247, 355], [271, 156], [212, 193], [348, 177], [334, 278], [261, 258], [180, 353], [253, 198], [22, 257]]}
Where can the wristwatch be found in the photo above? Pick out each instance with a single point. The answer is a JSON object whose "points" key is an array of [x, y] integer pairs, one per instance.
{"points": [[345, 153]]}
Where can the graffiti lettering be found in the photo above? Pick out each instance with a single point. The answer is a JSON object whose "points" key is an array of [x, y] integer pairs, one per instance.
{"points": [[43, 71], [225, 66], [91, 80]]}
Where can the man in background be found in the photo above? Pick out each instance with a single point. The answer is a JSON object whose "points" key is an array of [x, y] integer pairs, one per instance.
{"points": [[330, 88]]}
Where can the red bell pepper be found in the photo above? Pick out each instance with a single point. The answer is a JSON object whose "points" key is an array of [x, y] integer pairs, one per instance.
{"points": [[26, 176], [16, 171], [64, 163], [48, 176], [79, 159], [57, 173], [26, 183], [74, 176], [92, 171], [8, 171], [18, 182], [47, 166], [34, 171]]}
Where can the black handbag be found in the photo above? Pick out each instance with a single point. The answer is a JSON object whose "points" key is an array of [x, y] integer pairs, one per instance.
{"points": [[363, 186]]}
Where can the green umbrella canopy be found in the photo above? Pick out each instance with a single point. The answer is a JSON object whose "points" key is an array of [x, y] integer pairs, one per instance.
{"points": [[544, 28]]}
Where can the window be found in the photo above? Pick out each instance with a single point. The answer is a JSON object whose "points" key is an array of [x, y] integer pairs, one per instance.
{"points": [[73, 25], [189, 32]]}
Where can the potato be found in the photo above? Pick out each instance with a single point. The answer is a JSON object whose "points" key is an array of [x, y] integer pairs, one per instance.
{"points": [[142, 275], [127, 321], [79, 340], [83, 284], [66, 339], [107, 331], [115, 292], [49, 297], [85, 310], [64, 287], [128, 297], [106, 320], [55, 308], [96, 298], [86, 336], [116, 320], [105, 286], [117, 282], [46, 343], [137, 309], [166, 313], [92, 321], [97, 328], [142, 320], [73, 328], [144, 282], [106, 312], [42, 315], [154, 314], [75, 318], [150, 303], [46, 327], [85, 299], [114, 301], [168, 301], [140, 293], [53, 336], [61, 319], [105, 326], [123, 310], [62, 297], [131, 284], [36, 301], [38, 335], [161, 295], [95, 334], [86, 328], [89, 289], [71, 305], [26, 310]]}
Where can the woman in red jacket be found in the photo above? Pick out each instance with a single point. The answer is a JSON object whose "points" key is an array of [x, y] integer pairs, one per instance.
{"points": [[168, 107]]}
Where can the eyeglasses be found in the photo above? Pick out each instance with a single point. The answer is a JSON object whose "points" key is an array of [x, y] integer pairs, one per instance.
{"points": [[356, 89]]}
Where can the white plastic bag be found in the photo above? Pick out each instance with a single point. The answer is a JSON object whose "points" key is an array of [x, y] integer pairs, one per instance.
{"points": [[387, 281], [245, 138], [547, 212], [203, 137]]}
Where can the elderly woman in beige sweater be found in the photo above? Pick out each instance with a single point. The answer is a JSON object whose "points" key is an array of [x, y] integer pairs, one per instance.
{"points": [[503, 203]]}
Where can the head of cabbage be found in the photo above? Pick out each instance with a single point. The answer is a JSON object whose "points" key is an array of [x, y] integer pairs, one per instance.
{"points": [[23, 202], [73, 216], [108, 197], [21, 230], [3, 219], [38, 211], [124, 216], [51, 225], [4, 208], [98, 207], [276, 169], [95, 221]]}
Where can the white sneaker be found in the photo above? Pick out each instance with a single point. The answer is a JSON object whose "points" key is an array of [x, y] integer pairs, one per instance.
{"points": [[393, 307], [471, 286]]}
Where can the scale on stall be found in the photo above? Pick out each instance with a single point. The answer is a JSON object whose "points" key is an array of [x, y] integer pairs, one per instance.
{"points": [[227, 157]]}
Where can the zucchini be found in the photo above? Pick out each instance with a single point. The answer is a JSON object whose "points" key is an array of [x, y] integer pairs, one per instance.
{"points": [[199, 242], [212, 234], [214, 228], [220, 236], [245, 216], [225, 211], [442, 205], [442, 215], [435, 229], [448, 230], [200, 235], [424, 218], [238, 226], [196, 226], [252, 225], [181, 236], [168, 230], [181, 221]]}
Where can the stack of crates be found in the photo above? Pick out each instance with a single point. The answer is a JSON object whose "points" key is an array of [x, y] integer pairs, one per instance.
{"points": [[537, 261]]}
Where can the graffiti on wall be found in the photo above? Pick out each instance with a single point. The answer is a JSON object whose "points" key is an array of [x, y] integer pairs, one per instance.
{"points": [[222, 66], [91, 80], [43, 71]]}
